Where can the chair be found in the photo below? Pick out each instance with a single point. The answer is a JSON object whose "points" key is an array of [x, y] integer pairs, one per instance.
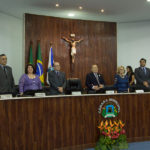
{"points": [[73, 85]]}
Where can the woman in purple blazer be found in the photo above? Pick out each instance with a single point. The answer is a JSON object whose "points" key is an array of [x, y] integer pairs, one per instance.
{"points": [[29, 80]]}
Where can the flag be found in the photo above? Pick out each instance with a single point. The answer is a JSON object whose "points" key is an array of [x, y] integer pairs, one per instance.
{"points": [[39, 66], [30, 55], [50, 63]]}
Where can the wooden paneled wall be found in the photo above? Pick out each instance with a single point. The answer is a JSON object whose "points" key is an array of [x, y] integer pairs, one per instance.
{"points": [[60, 122], [99, 45]]}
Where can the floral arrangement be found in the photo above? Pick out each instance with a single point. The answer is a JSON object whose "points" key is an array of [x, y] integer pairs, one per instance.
{"points": [[112, 136]]}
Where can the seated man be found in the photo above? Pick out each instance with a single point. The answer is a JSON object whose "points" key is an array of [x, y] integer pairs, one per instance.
{"points": [[94, 81], [142, 75], [57, 80]]}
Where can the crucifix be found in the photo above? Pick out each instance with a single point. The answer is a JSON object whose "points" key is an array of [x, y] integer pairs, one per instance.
{"points": [[73, 44]]}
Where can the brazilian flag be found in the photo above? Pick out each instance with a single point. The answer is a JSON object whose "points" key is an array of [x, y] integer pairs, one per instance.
{"points": [[30, 55], [39, 66]]}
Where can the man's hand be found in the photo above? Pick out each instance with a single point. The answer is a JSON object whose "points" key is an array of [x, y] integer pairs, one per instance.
{"points": [[95, 88], [101, 86], [145, 83], [21, 94], [60, 89]]}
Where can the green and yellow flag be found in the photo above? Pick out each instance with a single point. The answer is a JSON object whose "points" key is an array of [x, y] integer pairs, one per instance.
{"points": [[30, 55], [39, 66]]}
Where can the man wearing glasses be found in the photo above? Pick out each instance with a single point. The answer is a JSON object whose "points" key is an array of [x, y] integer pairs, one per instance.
{"points": [[57, 80]]}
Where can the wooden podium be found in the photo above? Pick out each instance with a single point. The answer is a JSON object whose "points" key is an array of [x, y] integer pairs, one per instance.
{"points": [[67, 122]]}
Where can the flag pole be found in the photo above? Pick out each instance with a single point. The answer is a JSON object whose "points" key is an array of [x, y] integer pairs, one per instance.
{"points": [[30, 57]]}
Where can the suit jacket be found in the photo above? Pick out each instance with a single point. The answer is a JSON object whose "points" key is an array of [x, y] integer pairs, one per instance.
{"points": [[92, 81], [141, 76], [56, 81], [6, 82]]}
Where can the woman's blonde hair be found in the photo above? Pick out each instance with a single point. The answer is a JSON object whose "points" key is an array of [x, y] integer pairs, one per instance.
{"points": [[118, 69]]}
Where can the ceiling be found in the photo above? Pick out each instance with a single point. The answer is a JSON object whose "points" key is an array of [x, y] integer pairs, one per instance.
{"points": [[115, 10]]}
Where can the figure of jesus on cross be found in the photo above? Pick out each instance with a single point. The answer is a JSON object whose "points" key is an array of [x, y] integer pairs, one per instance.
{"points": [[72, 43]]}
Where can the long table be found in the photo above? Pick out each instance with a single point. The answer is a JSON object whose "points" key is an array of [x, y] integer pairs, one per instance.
{"points": [[67, 122]]}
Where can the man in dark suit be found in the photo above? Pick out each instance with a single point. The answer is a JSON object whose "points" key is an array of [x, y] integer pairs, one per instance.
{"points": [[6, 76], [94, 81], [142, 75], [57, 80]]}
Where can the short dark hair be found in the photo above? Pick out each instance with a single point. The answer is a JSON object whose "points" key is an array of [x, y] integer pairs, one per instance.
{"points": [[26, 69], [130, 68], [143, 59], [1, 55]]}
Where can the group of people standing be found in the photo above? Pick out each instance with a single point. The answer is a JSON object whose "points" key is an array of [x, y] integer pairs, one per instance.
{"points": [[29, 81], [141, 77], [125, 80], [95, 83]]}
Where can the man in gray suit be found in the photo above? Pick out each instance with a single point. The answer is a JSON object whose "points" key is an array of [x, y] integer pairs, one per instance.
{"points": [[57, 80], [142, 75], [6, 76]]}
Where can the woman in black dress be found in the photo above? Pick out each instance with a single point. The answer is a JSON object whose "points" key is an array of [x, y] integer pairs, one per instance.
{"points": [[130, 75]]}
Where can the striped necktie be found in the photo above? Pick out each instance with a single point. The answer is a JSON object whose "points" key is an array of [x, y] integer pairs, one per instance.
{"points": [[97, 78]]}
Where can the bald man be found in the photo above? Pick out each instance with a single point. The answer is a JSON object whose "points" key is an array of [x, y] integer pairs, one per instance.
{"points": [[94, 81], [57, 80], [6, 76]]}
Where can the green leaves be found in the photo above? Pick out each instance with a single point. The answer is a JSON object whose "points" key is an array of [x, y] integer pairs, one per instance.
{"points": [[106, 143], [123, 145], [122, 138], [101, 147]]}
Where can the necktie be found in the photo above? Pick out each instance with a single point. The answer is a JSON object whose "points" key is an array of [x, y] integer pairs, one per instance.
{"points": [[144, 69], [5, 71], [57, 73], [97, 78]]}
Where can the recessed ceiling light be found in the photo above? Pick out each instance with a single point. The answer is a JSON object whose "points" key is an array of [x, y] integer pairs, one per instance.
{"points": [[57, 5], [80, 7], [71, 14], [148, 0], [102, 10]]}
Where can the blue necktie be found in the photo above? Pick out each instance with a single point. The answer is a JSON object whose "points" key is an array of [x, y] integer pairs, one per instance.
{"points": [[144, 69], [57, 72]]}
